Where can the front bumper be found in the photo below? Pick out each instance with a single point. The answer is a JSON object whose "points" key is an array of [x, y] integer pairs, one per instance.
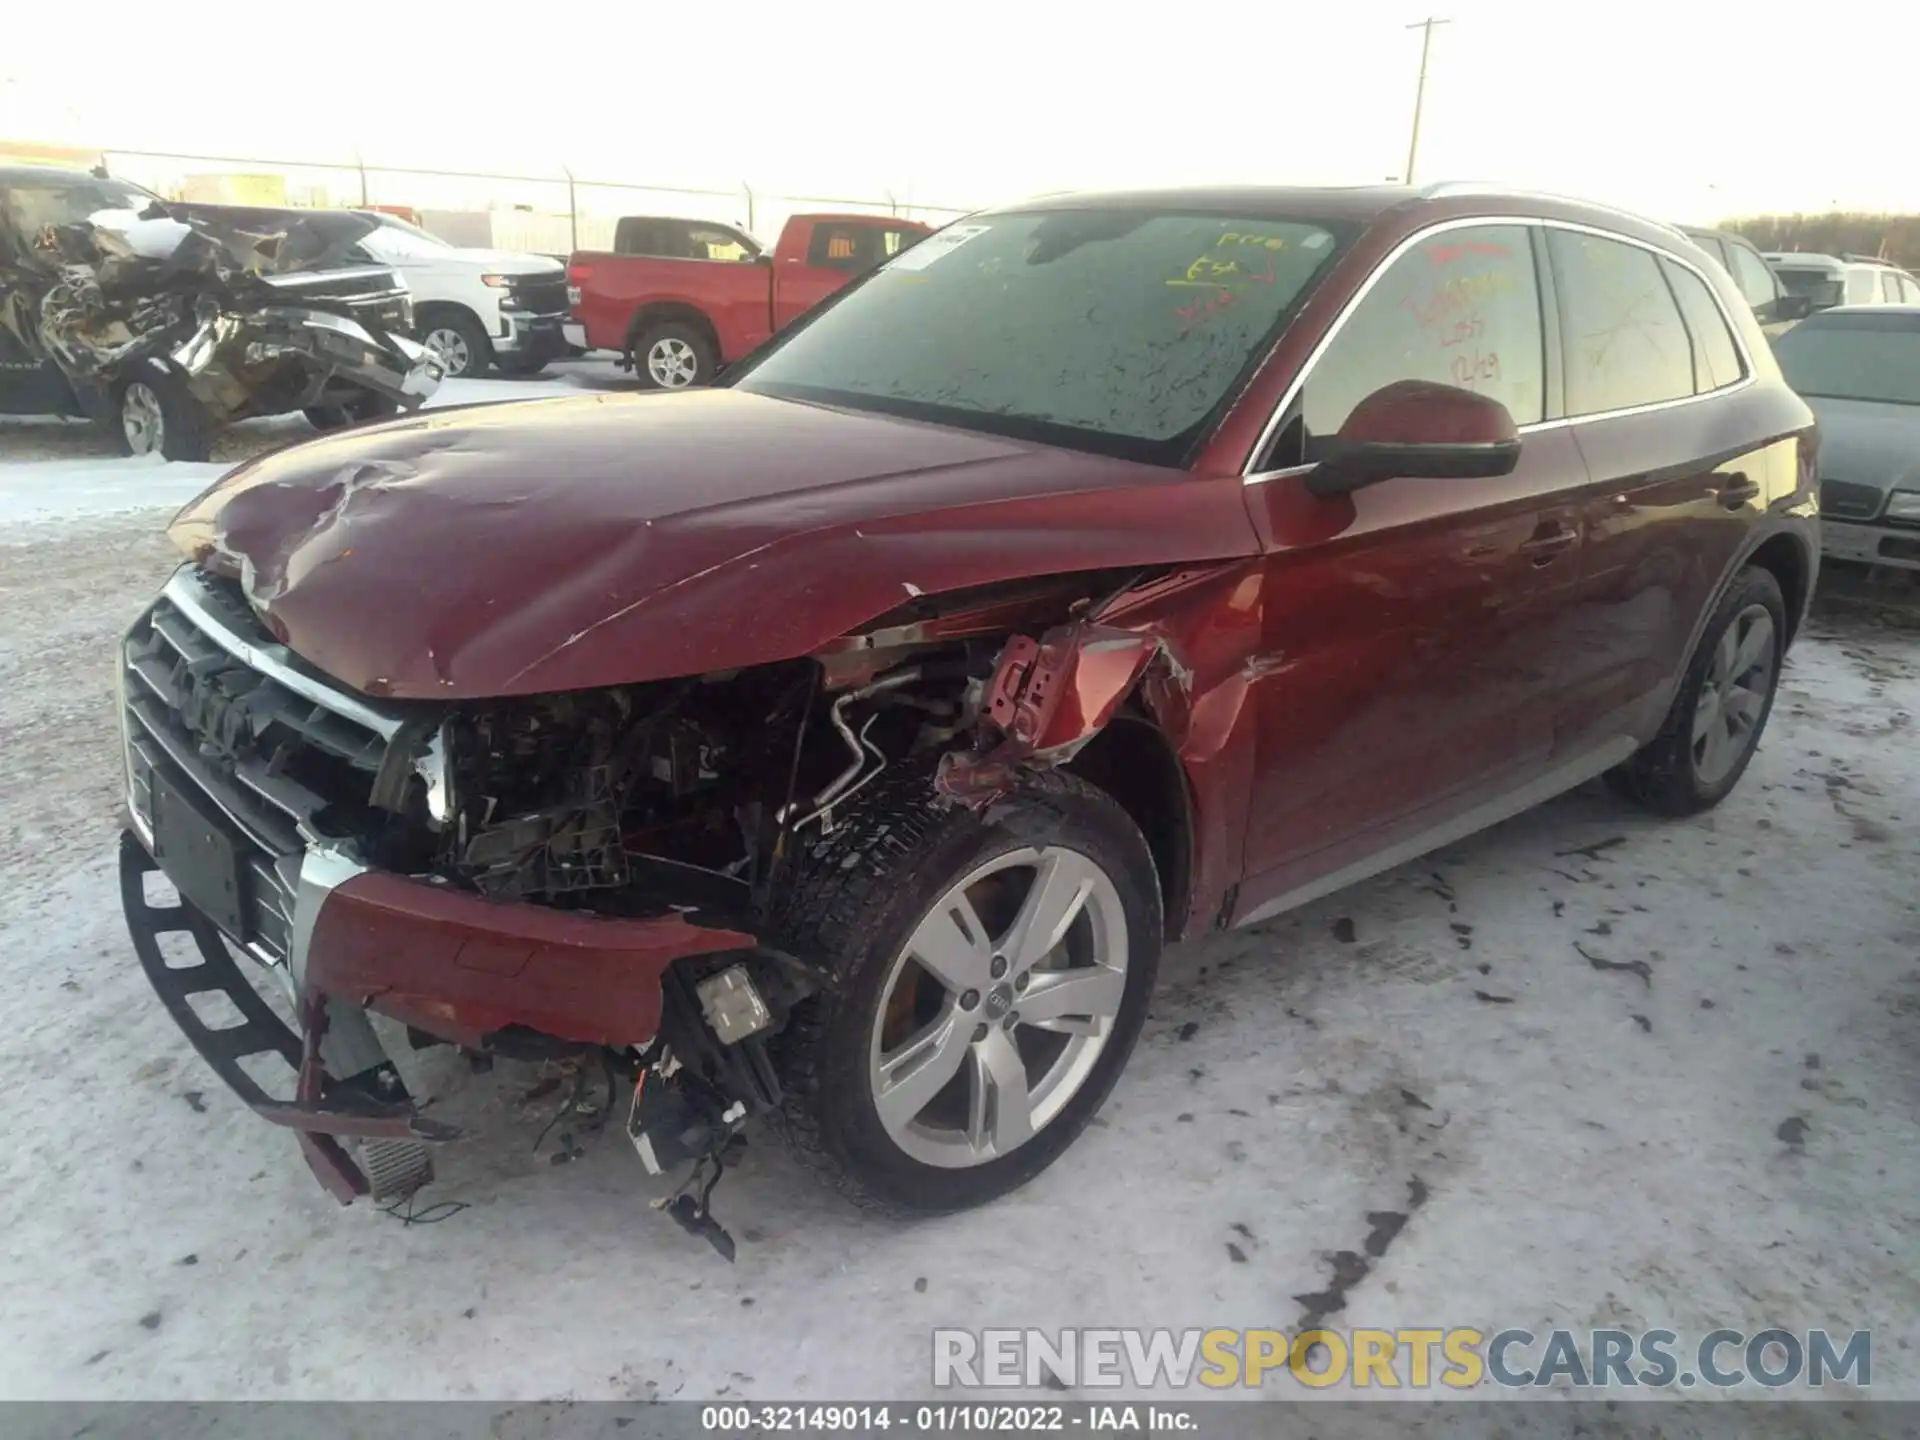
{"points": [[243, 843], [1894, 545], [532, 337]]}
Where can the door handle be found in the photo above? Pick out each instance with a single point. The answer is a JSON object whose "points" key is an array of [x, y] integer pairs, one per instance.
{"points": [[1549, 542], [1737, 490]]}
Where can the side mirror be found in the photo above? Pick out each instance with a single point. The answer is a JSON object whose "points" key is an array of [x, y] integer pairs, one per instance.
{"points": [[1792, 307], [1418, 429]]}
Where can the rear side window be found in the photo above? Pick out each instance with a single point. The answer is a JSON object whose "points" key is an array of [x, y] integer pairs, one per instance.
{"points": [[1716, 359], [1461, 307], [1890, 287], [1911, 288], [1750, 273], [1620, 328], [1860, 287], [851, 248]]}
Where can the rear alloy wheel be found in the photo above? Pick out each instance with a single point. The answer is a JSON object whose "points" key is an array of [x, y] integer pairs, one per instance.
{"points": [[673, 356], [993, 977], [1721, 707]]}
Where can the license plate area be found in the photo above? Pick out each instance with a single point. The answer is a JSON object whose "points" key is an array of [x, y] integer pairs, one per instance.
{"points": [[195, 850]]}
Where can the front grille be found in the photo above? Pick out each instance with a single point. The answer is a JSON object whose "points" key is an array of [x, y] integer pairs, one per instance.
{"points": [[1845, 500], [540, 294], [214, 708]]}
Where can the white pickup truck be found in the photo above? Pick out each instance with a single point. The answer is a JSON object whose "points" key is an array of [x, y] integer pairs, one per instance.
{"points": [[476, 308]]}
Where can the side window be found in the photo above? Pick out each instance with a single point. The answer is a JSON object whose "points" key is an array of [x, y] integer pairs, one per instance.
{"points": [[1461, 307], [1890, 287], [1860, 286], [1751, 274], [1620, 327], [716, 245], [1911, 288], [836, 247], [1716, 359]]}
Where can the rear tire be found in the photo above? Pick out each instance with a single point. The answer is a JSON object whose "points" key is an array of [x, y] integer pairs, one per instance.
{"points": [[150, 411], [1721, 707], [673, 355], [912, 1094]]}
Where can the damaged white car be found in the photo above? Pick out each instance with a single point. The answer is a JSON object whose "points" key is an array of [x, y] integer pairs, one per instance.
{"points": [[164, 327]]}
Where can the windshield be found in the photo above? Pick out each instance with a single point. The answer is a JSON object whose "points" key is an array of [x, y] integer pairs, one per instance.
{"points": [[1821, 287], [1854, 357], [61, 201], [1118, 332]]}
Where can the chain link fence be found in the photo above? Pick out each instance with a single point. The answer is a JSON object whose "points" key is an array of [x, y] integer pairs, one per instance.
{"points": [[552, 213]]}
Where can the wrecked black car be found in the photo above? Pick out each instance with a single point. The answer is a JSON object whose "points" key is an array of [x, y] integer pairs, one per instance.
{"points": [[162, 326]]}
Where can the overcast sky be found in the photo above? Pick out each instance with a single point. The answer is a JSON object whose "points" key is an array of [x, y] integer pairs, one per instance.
{"points": [[1683, 109]]}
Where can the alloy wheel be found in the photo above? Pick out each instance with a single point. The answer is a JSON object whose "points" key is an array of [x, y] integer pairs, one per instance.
{"points": [[142, 420], [993, 1014], [1733, 696], [672, 363], [451, 348]]}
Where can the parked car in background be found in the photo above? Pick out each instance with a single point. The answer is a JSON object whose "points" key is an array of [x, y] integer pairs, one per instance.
{"points": [[1773, 306], [1829, 280], [473, 308], [1859, 368], [845, 741], [691, 296], [163, 323]]}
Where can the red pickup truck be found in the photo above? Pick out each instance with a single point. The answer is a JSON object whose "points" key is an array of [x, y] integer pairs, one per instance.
{"points": [[680, 298]]}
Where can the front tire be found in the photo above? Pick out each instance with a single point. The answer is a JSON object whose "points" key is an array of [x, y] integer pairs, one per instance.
{"points": [[993, 973], [150, 411], [1721, 707], [460, 343]]}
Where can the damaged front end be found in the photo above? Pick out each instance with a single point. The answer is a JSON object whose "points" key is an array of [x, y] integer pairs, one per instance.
{"points": [[544, 877], [248, 318]]}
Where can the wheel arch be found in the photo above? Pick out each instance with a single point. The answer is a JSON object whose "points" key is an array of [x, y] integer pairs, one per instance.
{"points": [[1135, 764], [660, 312], [1789, 559]]}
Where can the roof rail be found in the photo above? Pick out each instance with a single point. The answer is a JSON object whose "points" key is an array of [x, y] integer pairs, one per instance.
{"points": [[1447, 189], [1865, 259]]}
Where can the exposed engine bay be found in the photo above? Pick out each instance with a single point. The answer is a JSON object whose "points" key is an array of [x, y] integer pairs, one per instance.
{"points": [[248, 317]]}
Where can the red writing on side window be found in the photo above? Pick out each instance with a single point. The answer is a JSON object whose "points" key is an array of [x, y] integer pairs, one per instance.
{"points": [[1471, 367], [1466, 249]]}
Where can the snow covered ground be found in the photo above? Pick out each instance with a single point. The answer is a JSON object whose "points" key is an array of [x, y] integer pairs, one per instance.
{"points": [[1727, 1133]]}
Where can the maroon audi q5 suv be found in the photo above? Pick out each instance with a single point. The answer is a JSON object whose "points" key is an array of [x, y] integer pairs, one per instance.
{"points": [[841, 745]]}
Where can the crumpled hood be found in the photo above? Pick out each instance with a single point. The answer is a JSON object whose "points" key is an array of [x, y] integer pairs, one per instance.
{"points": [[1869, 444], [571, 543]]}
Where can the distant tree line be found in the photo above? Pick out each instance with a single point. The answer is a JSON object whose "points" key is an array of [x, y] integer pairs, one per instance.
{"points": [[1894, 237]]}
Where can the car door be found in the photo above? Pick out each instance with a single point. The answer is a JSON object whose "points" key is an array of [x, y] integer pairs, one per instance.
{"points": [[1653, 378], [1407, 659]]}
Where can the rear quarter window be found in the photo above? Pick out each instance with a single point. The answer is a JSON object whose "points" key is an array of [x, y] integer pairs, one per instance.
{"points": [[1716, 358]]}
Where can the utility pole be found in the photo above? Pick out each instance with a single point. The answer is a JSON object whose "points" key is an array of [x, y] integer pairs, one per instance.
{"points": [[1420, 89]]}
